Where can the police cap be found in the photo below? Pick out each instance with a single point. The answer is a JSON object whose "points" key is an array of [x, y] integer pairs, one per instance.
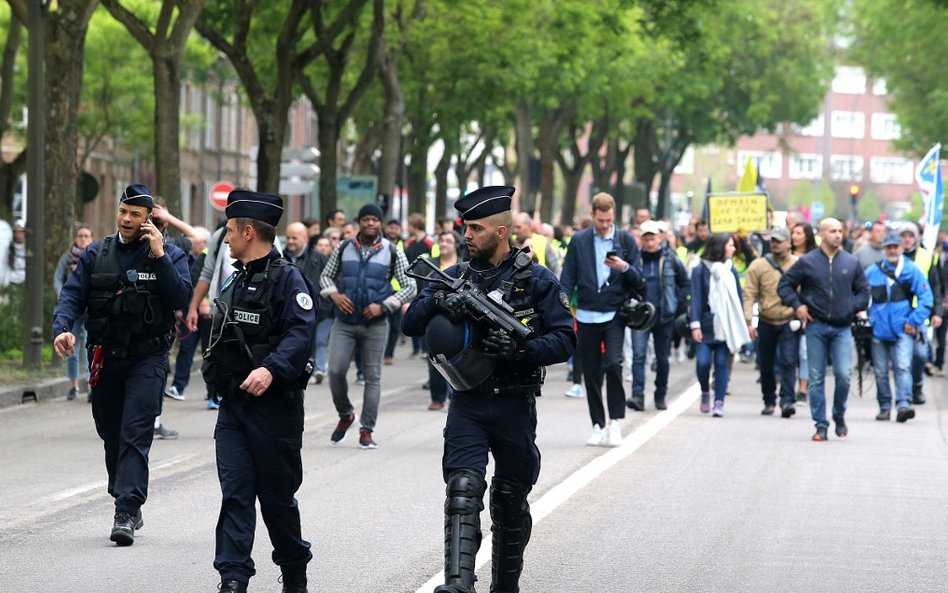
{"points": [[243, 203], [137, 195], [485, 202]]}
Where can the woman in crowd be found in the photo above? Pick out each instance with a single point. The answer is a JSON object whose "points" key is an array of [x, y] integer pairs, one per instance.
{"points": [[81, 239], [717, 326], [802, 240], [448, 243]]}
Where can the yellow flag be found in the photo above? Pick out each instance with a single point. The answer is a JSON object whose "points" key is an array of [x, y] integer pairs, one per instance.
{"points": [[748, 180]]}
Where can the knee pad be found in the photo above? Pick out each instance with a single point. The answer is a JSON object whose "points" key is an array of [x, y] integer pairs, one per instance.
{"points": [[464, 493], [508, 501]]}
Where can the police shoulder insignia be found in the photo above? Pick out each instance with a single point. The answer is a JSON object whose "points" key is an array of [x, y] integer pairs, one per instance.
{"points": [[564, 300], [304, 301]]}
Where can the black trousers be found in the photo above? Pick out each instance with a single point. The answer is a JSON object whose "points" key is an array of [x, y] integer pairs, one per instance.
{"points": [[125, 402], [258, 458], [504, 425], [769, 337], [591, 337]]}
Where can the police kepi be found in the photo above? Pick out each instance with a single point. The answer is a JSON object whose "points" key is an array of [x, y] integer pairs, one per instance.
{"points": [[258, 360], [130, 284], [497, 373]]}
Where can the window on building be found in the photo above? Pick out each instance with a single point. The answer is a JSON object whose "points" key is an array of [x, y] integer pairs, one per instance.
{"points": [[879, 87], [891, 170], [769, 163], [846, 168], [885, 126], [848, 124], [805, 166], [686, 166], [849, 81]]}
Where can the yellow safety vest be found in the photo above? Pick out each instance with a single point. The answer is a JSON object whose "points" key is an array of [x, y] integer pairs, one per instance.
{"points": [[538, 244], [923, 261]]}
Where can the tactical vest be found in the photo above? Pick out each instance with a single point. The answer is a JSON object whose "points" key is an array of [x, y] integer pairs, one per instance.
{"points": [[513, 286], [126, 313], [243, 332]]}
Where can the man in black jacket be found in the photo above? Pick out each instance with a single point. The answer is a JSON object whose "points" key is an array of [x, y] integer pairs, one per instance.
{"points": [[832, 290], [598, 272]]}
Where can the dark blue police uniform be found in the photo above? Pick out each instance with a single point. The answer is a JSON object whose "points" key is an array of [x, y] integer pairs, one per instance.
{"points": [[499, 414], [264, 317], [130, 298]]}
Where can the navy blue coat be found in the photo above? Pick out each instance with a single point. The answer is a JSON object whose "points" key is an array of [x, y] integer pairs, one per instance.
{"points": [[833, 291], [579, 272]]}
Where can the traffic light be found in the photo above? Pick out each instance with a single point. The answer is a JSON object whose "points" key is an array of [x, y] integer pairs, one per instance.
{"points": [[854, 190]]}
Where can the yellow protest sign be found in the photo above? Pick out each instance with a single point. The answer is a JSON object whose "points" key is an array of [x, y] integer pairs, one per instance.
{"points": [[733, 212]]}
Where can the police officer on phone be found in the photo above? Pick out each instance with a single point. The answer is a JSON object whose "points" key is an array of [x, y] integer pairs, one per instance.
{"points": [[496, 379], [258, 360], [130, 284]]}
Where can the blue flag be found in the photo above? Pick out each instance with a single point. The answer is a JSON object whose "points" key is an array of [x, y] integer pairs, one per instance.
{"points": [[928, 176]]}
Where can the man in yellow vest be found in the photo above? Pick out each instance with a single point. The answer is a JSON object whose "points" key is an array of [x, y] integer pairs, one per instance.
{"points": [[927, 262], [538, 243]]}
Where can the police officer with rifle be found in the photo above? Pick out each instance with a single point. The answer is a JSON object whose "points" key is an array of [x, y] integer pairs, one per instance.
{"points": [[130, 284], [258, 360], [492, 327]]}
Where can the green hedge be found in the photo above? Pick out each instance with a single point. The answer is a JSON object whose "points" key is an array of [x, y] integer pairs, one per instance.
{"points": [[13, 318]]}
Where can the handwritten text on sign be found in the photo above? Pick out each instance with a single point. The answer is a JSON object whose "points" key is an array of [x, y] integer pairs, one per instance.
{"points": [[730, 213]]}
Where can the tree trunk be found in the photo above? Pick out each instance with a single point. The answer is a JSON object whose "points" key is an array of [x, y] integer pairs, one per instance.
{"points": [[393, 117], [369, 141], [646, 157], [328, 160], [167, 81], [270, 135], [551, 123], [441, 184], [571, 181], [417, 181], [621, 156], [64, 52], [525, 152]]}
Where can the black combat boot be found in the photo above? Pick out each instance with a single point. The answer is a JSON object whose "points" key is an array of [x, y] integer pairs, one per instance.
{"points": [[124, 526], [232, 587], [511, 527], [462, 530], [294, 581]]}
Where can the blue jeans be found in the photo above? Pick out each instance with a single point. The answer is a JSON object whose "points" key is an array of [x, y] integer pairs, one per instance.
{"points": [[899, 353], [921, 354], [823, 340], [721, 356], [344, 340], [769, 337], [662, 333], [321, 347]]}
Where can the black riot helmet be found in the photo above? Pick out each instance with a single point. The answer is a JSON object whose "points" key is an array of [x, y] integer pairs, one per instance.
{"points": [[638, 315], [451, 352]]}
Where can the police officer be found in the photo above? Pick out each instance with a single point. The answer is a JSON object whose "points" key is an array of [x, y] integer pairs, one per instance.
{"points": [[130, 284], [496, 380], [258, 360]]}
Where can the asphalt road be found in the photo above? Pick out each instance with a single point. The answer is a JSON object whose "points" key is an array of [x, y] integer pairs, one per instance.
{"points": [[687, 503]]}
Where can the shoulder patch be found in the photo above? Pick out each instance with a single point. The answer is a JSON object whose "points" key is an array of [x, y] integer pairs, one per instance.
{"points": [[304, 301], [564, 300]]}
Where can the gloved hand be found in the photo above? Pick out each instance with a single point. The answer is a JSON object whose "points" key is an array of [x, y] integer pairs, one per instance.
{"points": [[453, 305], [499, 345]]}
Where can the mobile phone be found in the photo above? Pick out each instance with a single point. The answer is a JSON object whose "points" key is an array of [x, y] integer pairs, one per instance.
{"points": [[610, 254]]}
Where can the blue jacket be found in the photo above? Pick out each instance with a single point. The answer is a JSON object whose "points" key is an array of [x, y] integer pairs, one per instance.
{"points": [[579, 273], [833, 291], [700, 308], [666, 283], [891, 306]]}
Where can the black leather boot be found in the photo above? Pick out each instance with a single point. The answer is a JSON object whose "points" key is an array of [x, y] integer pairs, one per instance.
{"points": [[512, 524], [294, 582], [232, 587], [124, 526], [462, 530]]}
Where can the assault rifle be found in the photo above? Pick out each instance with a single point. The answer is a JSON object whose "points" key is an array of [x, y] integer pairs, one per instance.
{"points": [[481, 307]]}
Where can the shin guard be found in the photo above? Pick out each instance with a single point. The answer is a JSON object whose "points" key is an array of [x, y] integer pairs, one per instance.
{"points": [[512, 524], [462, 530]]}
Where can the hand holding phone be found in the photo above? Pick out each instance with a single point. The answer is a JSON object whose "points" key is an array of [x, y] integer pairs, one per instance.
{"points": [[610, 254]]}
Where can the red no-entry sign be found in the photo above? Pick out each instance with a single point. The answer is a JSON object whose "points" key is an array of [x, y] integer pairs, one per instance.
{"points": [[218, 194]]}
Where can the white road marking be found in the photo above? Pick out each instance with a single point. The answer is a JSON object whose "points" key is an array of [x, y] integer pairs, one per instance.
{"points": [[573, 483]]}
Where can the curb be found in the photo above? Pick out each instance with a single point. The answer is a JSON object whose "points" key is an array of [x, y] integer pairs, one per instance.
{"points": [[14, 395]]}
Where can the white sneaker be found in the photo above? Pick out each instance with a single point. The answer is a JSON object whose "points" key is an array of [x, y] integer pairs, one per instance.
{"points": [[681, 355], [173, 393], [575, 391], [613, 435], [596, 438]]}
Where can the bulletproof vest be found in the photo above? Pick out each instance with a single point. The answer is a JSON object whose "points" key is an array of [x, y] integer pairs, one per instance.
{"points": [[513, 285], [126, 312], [243, 332]]}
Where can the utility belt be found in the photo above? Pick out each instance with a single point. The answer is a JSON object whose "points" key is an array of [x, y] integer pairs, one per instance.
{"points": [[505, 386], [135, 348]]}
